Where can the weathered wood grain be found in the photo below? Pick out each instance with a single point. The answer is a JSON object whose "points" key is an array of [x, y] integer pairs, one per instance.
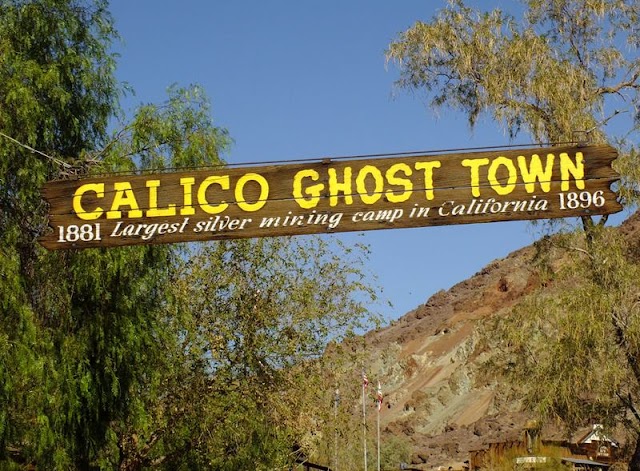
{"points": [[331, 196]]}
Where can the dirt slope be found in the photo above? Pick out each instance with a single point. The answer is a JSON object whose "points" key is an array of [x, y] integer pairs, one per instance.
{"points": [[429, 361]]}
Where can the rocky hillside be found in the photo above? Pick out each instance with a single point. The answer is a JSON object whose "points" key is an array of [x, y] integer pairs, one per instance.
{"points": [[429, 360]]}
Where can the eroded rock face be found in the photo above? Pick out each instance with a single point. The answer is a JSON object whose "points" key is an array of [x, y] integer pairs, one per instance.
{"points": [[433, 355]]}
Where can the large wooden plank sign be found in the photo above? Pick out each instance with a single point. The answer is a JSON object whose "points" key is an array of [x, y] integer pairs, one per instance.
{"points": [[331, 196]]}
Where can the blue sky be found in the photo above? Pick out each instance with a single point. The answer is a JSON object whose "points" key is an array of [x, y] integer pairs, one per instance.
{"points": [[307, 79]]}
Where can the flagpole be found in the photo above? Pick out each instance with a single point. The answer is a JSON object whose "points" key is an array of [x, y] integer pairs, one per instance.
{"points": [[335, 422], [379, 403], [364, 419], [378, 438]]}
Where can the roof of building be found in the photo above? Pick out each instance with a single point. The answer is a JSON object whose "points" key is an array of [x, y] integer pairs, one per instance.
{"points": [[585, 462], [595, 434]]}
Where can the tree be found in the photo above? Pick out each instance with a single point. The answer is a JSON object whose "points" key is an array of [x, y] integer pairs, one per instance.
{"points": [[567, 70], [253, 319], [570, 351], [395, 450], [129, 358], [57, 95], [79, 330]]}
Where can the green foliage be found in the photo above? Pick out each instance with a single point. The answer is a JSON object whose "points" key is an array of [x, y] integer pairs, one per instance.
{"points": [[80, 330], [564, 71], [393, 451], [244, 371], [549, 73], [257, 316], [570, 352], [57, 93], [178, 133], [88, 340], [579, 338]]}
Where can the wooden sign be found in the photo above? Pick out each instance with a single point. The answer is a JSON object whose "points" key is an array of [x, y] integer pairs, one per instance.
{"points": [[331, 196]]}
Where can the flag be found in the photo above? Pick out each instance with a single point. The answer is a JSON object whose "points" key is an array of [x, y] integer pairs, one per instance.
{"points": [[379, 396], [365, 380]]}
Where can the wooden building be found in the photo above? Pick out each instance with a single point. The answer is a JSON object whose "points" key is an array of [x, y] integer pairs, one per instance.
{"points": [[596, 446], [590, 449]]}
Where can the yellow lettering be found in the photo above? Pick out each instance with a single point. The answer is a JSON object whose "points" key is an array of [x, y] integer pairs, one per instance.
{"points": [[264, 192], [361, 184], [399, 181], [474, 165], [124, 196], [187, 199], [428, 175], [493, 175], [313, 191], [534, 172], [344, 187], [223, 181], [153, 210], [576, 169], [98, 189]]}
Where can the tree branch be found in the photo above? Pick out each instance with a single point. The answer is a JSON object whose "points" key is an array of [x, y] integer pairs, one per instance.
{"points": [[632, 83], [58, 162], [628, 401], [632, 360]]}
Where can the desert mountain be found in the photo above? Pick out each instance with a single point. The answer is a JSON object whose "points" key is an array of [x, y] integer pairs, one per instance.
{"points": [[430, 361]]}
